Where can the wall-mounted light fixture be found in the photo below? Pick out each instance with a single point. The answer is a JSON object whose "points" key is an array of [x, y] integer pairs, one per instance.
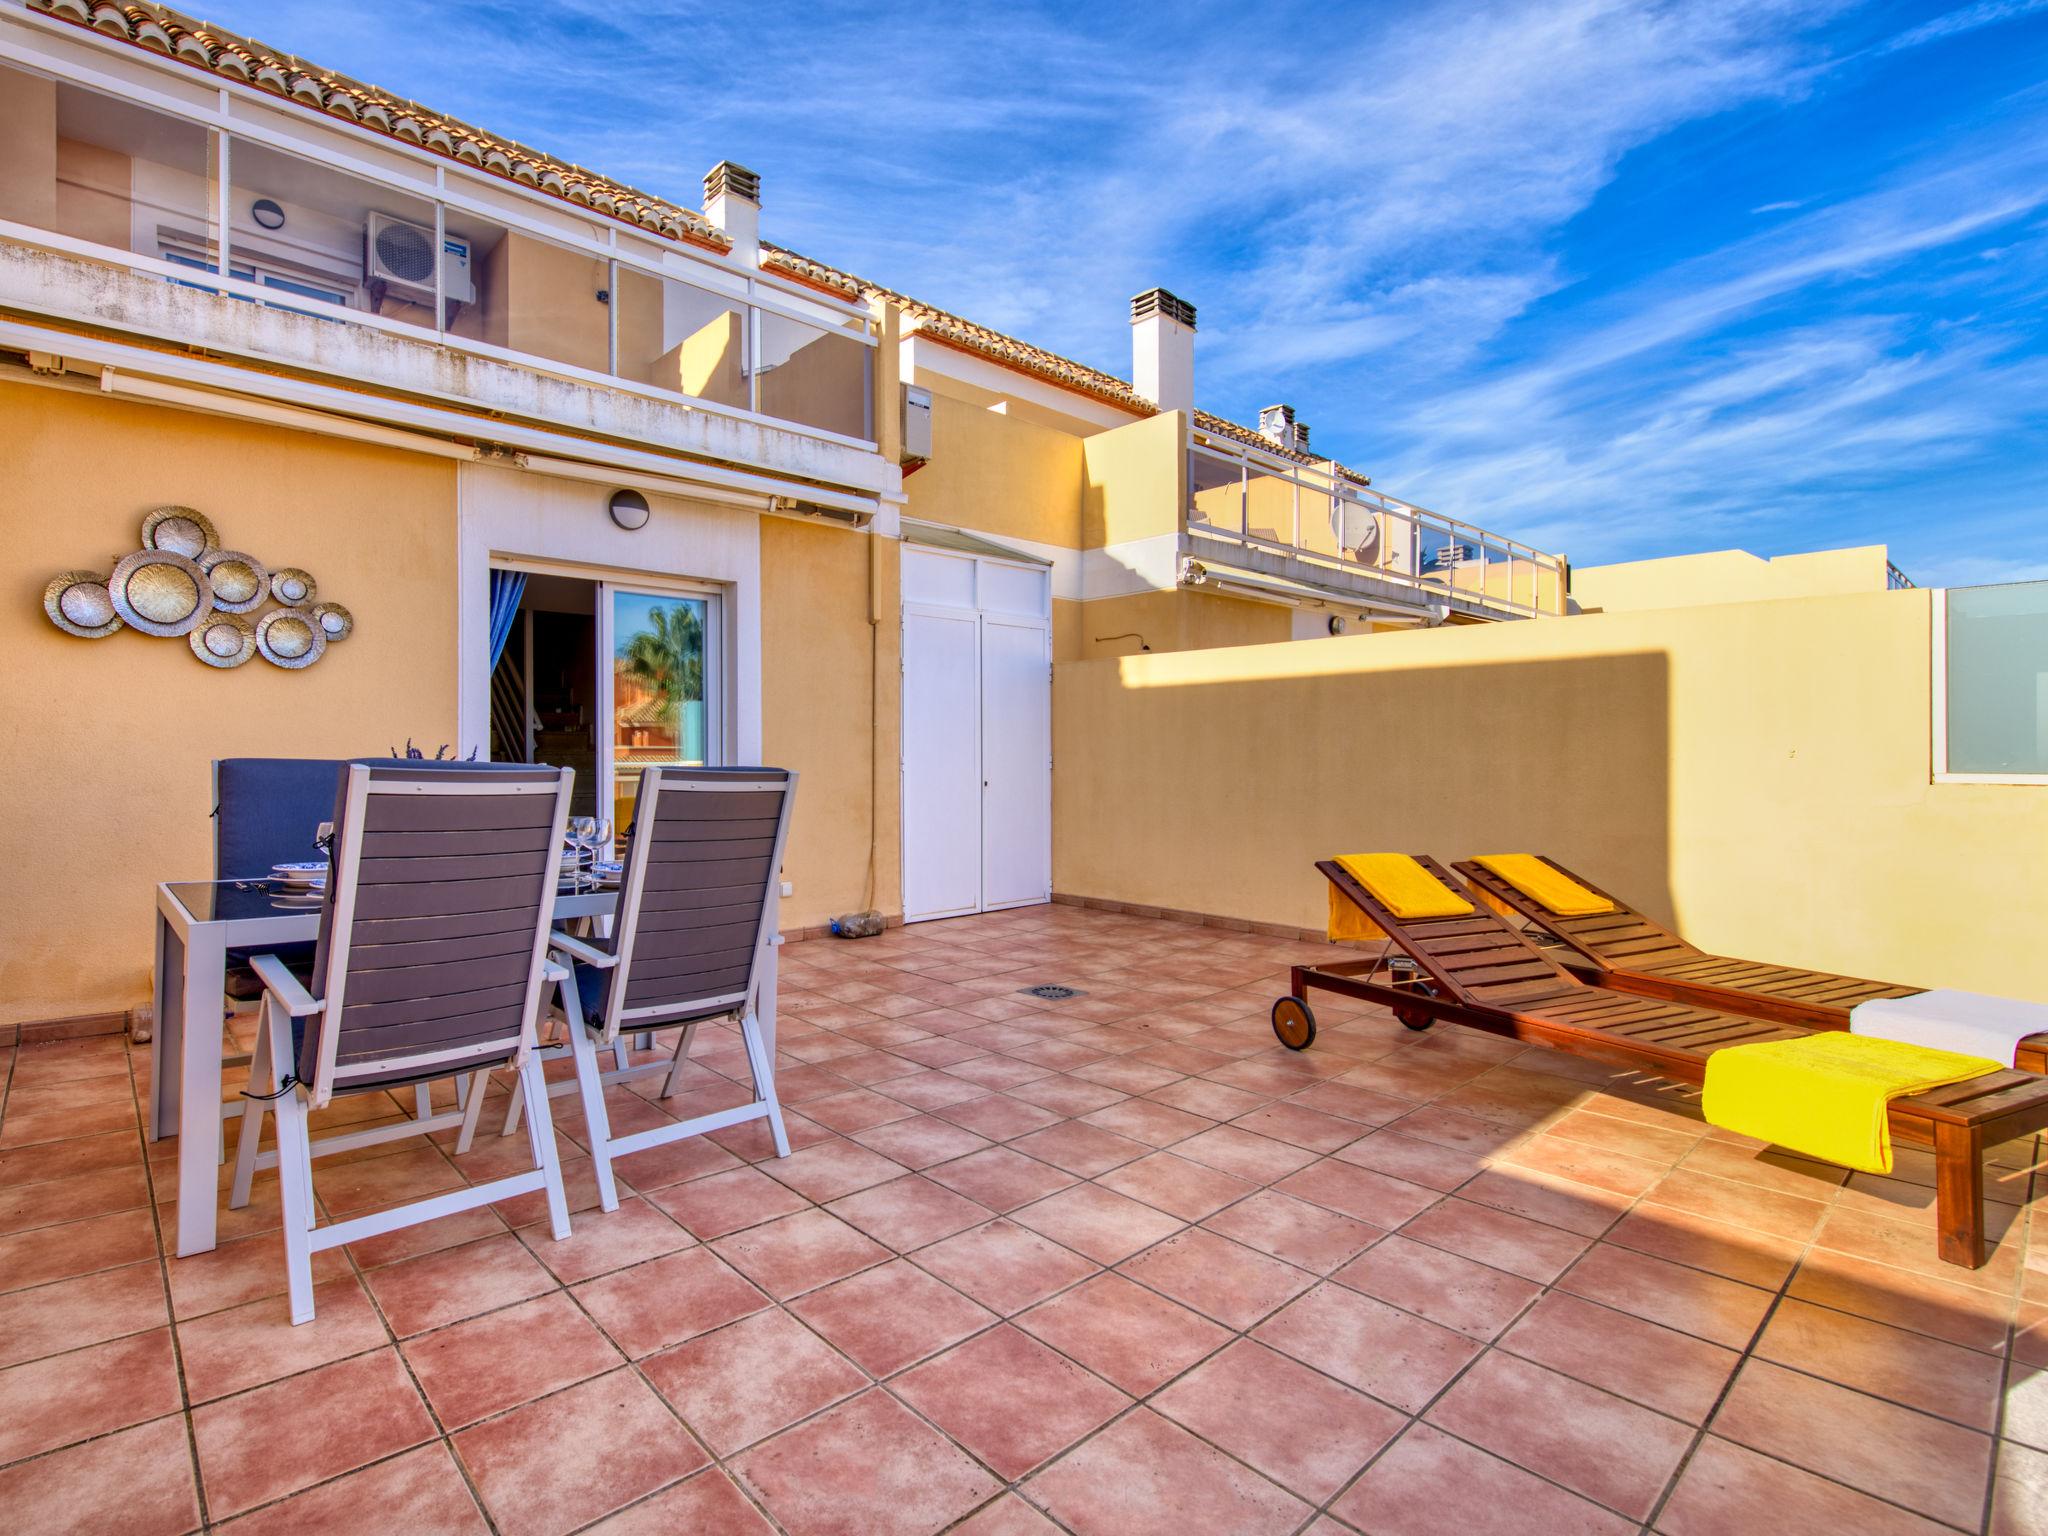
{"points": [[629, 509], [267, 213]]}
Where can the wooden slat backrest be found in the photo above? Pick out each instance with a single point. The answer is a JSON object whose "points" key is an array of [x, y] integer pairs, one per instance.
{"points": [[1475, 957], [434, 930], [698, 896], [1623, 937]]}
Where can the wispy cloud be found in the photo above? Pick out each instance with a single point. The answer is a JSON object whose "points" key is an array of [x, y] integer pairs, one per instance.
{"points": [[1626, 275]]}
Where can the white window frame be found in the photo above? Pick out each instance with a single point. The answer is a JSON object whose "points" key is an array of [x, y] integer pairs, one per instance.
{"points": [[1938, 695]]}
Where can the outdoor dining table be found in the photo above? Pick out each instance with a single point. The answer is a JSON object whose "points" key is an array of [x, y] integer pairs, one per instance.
{"points": [[197, 923]]}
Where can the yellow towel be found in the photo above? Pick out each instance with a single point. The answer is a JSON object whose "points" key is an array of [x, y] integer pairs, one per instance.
{"points": [[1552, 889], [1825, 1094], [1397, 883]]}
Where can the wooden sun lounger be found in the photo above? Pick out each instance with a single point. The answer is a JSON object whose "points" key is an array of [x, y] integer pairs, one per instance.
{"points": [[1476, 971], [1629, 952]]}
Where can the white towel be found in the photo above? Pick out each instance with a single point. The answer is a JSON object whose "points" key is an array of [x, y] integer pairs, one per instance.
{"points": [[1971, 1023]]}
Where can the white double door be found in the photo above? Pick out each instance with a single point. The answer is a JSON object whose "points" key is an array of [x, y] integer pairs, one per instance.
{"points": [[977, 734]]}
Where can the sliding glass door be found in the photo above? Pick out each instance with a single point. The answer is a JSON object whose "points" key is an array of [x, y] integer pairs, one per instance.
{"points": [[659, 687]]}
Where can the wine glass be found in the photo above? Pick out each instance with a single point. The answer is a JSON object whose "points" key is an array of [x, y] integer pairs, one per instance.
{"points": [[582, 832]]}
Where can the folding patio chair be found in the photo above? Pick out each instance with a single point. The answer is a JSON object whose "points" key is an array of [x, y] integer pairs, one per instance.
{"points": [[691, 942], [431, 963]]}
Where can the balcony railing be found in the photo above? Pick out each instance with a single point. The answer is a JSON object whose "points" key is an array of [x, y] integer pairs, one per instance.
{"points": [[1344, 531], [1896, 580], [375, 237]]}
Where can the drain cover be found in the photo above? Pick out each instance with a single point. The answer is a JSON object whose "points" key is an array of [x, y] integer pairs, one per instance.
{"points": [[1051, 994]]}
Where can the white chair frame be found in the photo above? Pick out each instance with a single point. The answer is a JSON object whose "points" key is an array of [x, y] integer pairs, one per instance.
{"points": [[584, 1041]]}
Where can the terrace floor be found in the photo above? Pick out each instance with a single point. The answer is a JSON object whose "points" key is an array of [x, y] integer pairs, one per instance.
{"points": [[1120, 1264]]}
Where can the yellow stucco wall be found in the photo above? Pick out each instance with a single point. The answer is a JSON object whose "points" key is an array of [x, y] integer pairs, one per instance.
{"points": [[999, 475], [1134, 481], [1178, 620], [1727, 576], [816, 712], [109, 742], [1759, 773]]}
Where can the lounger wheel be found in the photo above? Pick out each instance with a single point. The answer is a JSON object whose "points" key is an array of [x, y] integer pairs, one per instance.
{"points": [[1294, 1023], [1414, 1018]]}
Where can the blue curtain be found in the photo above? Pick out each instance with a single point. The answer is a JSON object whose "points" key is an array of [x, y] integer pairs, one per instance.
{"points": [[506, 589]]}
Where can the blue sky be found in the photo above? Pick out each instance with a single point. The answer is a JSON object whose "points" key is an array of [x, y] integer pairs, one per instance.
{"points": [[1622, 279]]}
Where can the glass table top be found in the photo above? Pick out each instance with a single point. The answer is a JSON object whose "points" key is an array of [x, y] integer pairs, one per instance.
{"points": [[241, 901]]}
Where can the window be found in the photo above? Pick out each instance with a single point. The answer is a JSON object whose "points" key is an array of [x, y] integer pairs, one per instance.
{"points": [[1991, 684]]}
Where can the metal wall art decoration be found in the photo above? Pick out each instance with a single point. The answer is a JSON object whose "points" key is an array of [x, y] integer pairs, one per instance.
{"points": [[181, 582]]}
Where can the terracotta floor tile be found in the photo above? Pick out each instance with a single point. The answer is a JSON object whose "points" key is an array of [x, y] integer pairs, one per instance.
{"points": [[1524, 1192], [866, 1466], [1007, 1516], [1411, 1159], [1146, 1476], [1794, 1217], [1592, 1442], [103, 1387], [667, 1300], [909, 1212], [1000, 1071], [256, 1342], [1304, 1235], [2019, 1493], [1303, 1430], [602, 1241], [1352, 1102], [1943, 1309], [1600, 1167], [1710, 1307], [1937, 1468], [1430, 1484], [831, 1169], [288, 1435], [1672, 1372], [491, 1363], [1128, 1074], [1473, 1298], [1082, 1150], [69, 1314], [799, 1253], [137, 1482], [1010, 1400], [1003, 1266], [418, 1170], [1157, 1125], [1177, 1186], [1123, 1332], [1234, 1150], [1000, 1178], [1223, 1280], [1906, 1245], [1937, 1378], [1097, 1222], [998, 1117], [933, 1089], [706, 1504], [1301, 1126], [1358, 1193], [891, 1316], [44, 1161], [1398, 1358], [76, 1248], [1738, 1253], [427, 1237], [563, 1461], [742, 1383], [1766, 1167], [1532, 1249], [673, 1162], [1213, 1101], [28, 1206], [1727, 1490], [722, 1203], [455, 1283], [421, 1491], [1065, 1095], [243, 1270], [921, 1141]]}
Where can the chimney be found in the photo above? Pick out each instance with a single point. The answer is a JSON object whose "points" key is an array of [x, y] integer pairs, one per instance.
{"points": [[1277, 425], [732, 201], [1163, 349]]}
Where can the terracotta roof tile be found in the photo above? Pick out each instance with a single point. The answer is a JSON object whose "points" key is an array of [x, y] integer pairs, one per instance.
{"points": [[203, 46]]}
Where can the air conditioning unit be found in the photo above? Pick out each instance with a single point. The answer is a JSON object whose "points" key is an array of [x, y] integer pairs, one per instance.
{"points": [[400, 255]]}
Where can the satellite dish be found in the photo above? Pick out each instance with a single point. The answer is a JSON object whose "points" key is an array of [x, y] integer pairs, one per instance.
{"points": [[1366, 551]]}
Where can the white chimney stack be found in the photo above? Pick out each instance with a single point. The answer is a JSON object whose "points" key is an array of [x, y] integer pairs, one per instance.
{"points": [[1163, 349], [732, 201]]}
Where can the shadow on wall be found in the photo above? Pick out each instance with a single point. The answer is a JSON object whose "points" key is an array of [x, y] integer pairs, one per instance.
{"points": [[1217, 794]]}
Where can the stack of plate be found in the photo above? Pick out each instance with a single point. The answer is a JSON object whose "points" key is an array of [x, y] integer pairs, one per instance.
{"points": [[606, 872], [309, 876]]}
